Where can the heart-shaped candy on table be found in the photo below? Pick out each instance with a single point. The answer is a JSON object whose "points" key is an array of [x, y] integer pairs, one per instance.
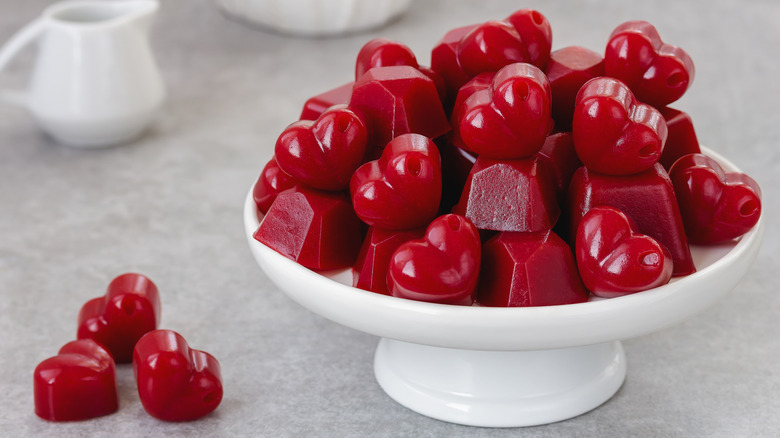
{"points": [[322, 154], [510, 119], [402, 189], [716, 205], [129, 309], [175, 382], [489, 47], [614, 134], [614, 260], [76, 384], [442, 267], [657, 73], [535, 33], [272, 181]]}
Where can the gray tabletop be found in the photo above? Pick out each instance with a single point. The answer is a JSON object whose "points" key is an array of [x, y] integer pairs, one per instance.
{"points": [[170, 204]]}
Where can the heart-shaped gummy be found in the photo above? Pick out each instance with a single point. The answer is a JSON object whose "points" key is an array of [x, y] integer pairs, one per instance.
{"points": [[129, 309], [175, 382], [402, 189], [657, 73], [381, 52], [489, 47], [272, 181], [76, 384], [442, 267], [614, 260], [535, 33], [614, 134], [509, 119], [716, 205], [322, 154]]}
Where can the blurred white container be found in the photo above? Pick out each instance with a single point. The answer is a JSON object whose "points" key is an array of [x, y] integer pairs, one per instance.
{"points": [[314, 17]]}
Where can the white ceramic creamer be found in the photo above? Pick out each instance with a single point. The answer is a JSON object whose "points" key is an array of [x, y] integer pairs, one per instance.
{"points": [[95, 82]]}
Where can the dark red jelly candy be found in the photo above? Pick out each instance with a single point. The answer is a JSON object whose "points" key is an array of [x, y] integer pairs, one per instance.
{"points": [[381, 52], [535, 33], [456, 164], [272, 181], [614, 259], [398, 100], [560, 158], [647, 198], [489, 47], [370, 271], [716, 205], [568, 70], [117, 320], [76, 384], [529, 269], [319, 103], [444, 61], [516, 195], [682, 138], [317, 229], [442, 267]]}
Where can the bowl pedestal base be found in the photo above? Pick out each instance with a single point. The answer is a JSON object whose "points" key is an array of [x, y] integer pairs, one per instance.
{"points": [[499, 388]]}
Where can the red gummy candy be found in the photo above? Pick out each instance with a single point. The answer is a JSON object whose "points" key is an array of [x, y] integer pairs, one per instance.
{"points": [[272, 181], [175, 382], [319, 103], [560, 158], [402, 189], [657, 73], [117, 320], [381, 52], [317, 229], [76, 384], [535, 33], [529, 269], [516, 195], [324, 153], [398, 100], [489, 47], [511, 118], [682, 138], [443, 267], [444, 61], [614, 260], [370, 271], [614, 134], [568, 70], [716, 205], [647, 198]]}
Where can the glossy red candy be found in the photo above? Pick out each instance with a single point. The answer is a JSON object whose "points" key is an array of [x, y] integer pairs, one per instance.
{"points": [[528, 269], [370, 271], [402, 189], [443, 267], [560, 158], [657, 73], [129, 309], [535, 33], [456, 164], [614, 134], [682, 138], [614, 259], [716, 205], [317, 229], [512, 195], [444, 61], [398, 100], [489, 47], [272, 181], [381, 52], [511, 118], [317, 105], [479, 82], [568, 70], [647, 198], [175, 382], [323, 154], [76, 384]]}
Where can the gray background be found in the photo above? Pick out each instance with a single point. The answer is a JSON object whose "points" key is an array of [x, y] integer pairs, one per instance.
{"points": [[169, 206]]}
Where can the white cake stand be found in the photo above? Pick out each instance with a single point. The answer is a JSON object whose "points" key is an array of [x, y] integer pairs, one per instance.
{"points": [[506, 367]]}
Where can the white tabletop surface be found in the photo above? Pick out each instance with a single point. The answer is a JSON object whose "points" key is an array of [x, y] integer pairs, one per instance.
{"points": [[170, 206]]}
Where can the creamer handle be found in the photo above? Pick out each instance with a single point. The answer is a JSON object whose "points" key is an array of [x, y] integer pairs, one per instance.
{"points": [[22, 38]]}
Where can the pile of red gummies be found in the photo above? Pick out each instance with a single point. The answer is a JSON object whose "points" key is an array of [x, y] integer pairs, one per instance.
{"points": [[504, 174]]}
